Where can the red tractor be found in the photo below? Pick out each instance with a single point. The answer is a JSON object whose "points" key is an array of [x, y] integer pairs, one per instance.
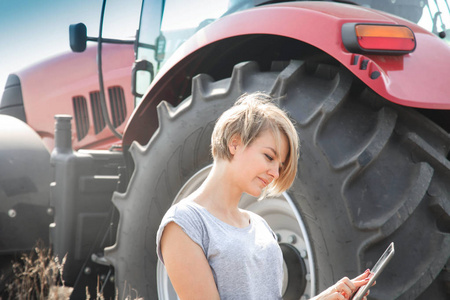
{"points": [[365, 82]]}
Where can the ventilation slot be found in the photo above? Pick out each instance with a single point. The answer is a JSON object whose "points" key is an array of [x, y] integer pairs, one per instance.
{"points": [[81, 116], [99, 121], [117, 103]]}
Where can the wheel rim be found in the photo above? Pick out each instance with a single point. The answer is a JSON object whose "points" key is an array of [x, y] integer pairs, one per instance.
{"points": [[281, 215]]}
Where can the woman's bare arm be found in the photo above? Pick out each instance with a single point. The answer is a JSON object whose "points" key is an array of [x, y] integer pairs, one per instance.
{"points": [[187, 266]]}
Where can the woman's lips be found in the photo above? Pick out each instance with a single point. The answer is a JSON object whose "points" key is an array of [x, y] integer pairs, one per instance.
{"points": [[265, 182]]}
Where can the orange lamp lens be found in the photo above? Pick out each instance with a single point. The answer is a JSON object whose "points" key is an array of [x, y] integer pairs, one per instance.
{"points": [[385, 37]]}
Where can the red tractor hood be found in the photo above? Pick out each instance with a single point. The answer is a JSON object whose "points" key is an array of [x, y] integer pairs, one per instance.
{"points": [[49, 86]]}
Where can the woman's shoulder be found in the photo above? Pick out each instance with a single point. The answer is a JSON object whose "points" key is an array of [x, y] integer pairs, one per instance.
{"points": [[186, 207], [186, 215]]}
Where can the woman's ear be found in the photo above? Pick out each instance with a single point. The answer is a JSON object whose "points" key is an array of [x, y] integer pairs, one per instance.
{"points": [[233, 144]]}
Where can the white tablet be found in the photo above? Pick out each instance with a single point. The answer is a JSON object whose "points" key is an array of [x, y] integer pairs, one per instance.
{"points": [[375, 272]]}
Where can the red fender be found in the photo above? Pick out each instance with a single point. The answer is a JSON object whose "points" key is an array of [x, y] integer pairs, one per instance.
{"points": [[418, 79]]}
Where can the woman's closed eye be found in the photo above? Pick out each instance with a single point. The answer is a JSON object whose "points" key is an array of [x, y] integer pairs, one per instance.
{"points": [[270, 158]]}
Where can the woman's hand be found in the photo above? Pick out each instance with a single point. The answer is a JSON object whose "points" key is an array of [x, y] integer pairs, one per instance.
{"points": [[344, 288]]}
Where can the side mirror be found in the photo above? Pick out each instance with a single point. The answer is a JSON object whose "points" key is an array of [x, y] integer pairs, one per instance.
{"points": [[78, 37], [145, 78]]}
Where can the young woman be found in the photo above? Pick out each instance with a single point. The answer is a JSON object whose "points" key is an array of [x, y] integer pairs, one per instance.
{"points": [[214, 250]]}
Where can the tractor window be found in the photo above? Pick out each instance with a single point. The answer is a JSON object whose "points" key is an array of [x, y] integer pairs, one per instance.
{"points": [[180, 14], [433, 15], [121, 19], [436, 18], [165, 25], [182, 19]]}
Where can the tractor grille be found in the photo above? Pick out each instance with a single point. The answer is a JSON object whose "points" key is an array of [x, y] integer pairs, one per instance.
{"points": [[117, 107], [81, 116], [117, 104], [99, 121]]}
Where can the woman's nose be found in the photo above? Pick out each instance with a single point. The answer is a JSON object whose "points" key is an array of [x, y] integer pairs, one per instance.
{"points": [[274, 171]]}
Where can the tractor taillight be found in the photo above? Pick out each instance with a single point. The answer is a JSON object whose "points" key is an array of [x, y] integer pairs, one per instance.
{"points": [[378, 38]]}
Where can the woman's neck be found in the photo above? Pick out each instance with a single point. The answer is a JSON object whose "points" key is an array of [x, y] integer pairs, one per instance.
{"points": [[218, 189], [220, 196]]}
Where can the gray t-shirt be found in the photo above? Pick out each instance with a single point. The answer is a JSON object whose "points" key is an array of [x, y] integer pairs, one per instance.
{"points": [[246, 263]]}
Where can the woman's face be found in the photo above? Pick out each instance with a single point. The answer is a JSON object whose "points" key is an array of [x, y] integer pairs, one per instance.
{"points": [[257, 165]]}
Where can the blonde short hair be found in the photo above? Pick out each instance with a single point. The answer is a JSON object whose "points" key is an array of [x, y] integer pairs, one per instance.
{"points": [[248, 118]]}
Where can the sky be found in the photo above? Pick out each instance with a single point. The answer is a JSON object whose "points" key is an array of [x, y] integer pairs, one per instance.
{"points": [[34, 30]]}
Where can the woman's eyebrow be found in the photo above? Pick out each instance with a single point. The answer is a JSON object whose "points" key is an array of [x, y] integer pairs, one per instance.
{"points": [[273, 150]]}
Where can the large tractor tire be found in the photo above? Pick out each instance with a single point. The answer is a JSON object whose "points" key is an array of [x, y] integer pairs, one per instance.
{"points": [[370, 173]]}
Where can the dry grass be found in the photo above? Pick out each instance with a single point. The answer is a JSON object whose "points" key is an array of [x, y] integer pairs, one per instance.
{"points": [[38, 275]]}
